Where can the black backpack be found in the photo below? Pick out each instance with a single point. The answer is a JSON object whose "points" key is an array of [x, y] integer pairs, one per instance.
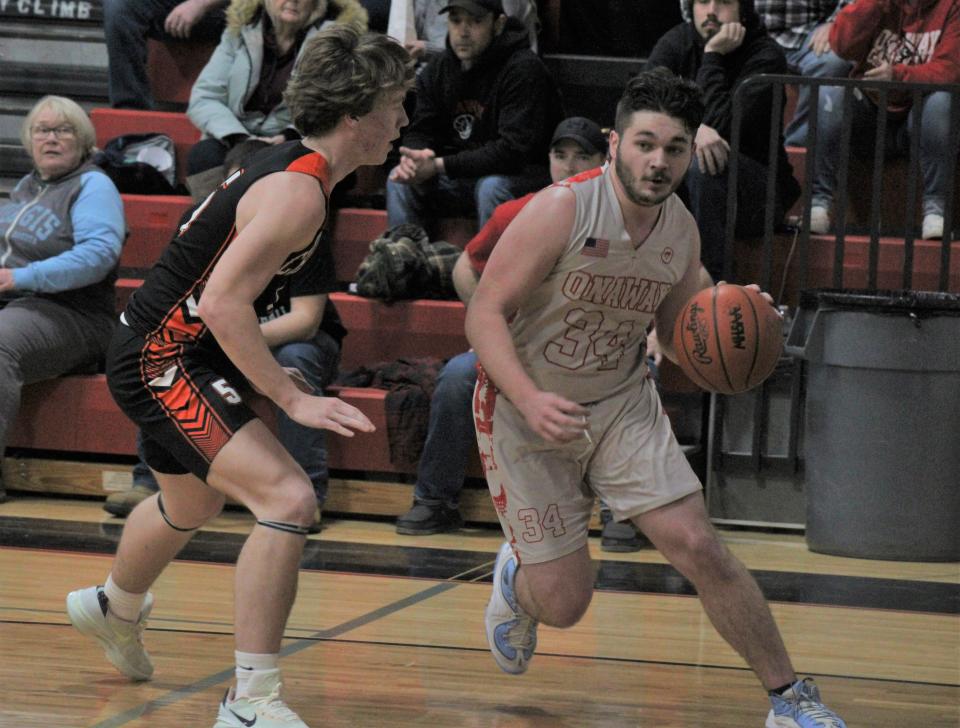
{"points": [[140, 164]]}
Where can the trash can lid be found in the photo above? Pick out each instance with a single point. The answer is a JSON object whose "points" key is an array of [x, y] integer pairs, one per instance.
{"points": [[882, 301]]}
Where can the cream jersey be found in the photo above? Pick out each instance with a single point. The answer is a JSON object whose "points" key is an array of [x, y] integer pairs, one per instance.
{"points": [[582, 332]]}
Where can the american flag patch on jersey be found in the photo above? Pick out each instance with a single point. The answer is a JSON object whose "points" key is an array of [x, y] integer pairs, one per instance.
{"points": [[596, 247]]}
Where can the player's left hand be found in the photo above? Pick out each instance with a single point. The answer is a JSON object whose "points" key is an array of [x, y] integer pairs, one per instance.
{"points": [[6, 279], [766, 296]]}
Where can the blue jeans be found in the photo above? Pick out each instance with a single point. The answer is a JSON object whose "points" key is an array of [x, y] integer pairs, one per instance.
{"points": [[935, 166], [828, 65], [318, 361], [706, 197], [450, 434], [443, 196], [126, 26]]}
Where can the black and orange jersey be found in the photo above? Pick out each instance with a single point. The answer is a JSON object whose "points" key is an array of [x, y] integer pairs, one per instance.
{"points": [[164, 309]]}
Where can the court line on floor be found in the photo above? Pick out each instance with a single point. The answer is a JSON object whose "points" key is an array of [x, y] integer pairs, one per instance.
{"points": [[298, 645]]}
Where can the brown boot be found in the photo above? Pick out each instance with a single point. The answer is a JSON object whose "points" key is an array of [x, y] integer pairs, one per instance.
{"points": [[120, 504], [316, 527]]}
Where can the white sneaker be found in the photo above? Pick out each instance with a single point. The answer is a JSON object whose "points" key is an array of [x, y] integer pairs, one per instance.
{"points": [[122, 641], [819, 220], [932, 227], [801, 707], [263, 712], [511, 633]]}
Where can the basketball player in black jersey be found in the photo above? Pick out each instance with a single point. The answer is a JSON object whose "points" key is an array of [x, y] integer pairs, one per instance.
{"points": [[190, 344]]}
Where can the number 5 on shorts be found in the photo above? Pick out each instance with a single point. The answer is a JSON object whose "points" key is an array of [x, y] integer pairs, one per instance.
{"points": [[228, 393]]}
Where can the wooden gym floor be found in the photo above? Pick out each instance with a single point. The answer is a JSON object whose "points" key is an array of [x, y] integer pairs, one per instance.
{"points": [[388, 631]]}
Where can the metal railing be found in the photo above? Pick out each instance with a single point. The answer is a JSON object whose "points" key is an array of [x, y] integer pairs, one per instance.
{"points": [[759, 462]]}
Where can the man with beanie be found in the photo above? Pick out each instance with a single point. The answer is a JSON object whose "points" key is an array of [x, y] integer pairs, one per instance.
{"points": [[723, 44]]}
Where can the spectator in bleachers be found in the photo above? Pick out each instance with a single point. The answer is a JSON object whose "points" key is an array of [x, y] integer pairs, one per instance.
{"points": [[63, 230], [239, 93], [916, 41], [723, 44], [430, 24], [304, 332], [576, 146], [802, 28], [481, 128], [128, 23]]}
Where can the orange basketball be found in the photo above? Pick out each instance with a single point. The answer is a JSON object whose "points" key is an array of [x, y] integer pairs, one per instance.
{"points": [[728, 339]]}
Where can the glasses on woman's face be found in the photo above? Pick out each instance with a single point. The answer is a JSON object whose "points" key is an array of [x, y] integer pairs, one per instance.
{"points": [[60, 132]]}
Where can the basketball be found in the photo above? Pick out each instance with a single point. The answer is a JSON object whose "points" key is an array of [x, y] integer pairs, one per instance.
{"points": [[728, 339]]}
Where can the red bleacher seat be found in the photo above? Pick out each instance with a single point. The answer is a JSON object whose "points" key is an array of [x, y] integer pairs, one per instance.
{"points": [[354, 229], [926, 264], [173, 66], [860, 188], [380, 332], [77, 414], [151, 222], [110, 123]]}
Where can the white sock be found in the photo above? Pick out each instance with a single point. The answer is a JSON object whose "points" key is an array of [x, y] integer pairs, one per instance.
{"points": [[255, 670], [123, 604]]}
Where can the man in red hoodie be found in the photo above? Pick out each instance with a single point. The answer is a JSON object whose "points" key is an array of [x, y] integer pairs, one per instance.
{"points": [[917, 41]]}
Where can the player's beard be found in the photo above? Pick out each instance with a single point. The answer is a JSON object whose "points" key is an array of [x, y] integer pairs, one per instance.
{"points": [[631, 186]]}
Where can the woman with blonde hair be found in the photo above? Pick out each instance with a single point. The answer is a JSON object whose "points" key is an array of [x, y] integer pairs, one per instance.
{"points": [[60, 237], [239, 93]]}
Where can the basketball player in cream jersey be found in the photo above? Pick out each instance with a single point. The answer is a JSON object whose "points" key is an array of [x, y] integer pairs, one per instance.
{"points": [[564, 410]]}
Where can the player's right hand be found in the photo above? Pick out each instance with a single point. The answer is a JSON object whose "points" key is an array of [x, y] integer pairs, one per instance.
{"points": [[554, 418], [329, 413]]}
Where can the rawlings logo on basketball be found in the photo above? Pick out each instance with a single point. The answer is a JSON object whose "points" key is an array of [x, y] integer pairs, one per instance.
{"points": [[701, 334], [738, 334]]}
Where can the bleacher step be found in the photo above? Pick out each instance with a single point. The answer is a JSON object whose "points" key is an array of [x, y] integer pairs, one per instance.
{"points": [[345, 496]]}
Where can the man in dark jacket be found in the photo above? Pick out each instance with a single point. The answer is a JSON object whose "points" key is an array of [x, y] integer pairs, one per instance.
{"points": [[723, 44], [481, 129]]}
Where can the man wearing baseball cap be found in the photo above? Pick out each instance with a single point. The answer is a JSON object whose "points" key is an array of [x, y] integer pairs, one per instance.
{"points": [[481, 129]]}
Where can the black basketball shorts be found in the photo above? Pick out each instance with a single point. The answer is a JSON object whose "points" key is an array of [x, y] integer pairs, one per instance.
{"points": [[187, 408]]}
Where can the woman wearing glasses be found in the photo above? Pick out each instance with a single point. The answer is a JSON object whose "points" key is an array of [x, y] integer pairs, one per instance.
{"points": [[61, 232]]}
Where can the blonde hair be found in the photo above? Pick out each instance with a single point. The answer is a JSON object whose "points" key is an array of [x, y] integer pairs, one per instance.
{"points": [[72, 114], [242, 12]]}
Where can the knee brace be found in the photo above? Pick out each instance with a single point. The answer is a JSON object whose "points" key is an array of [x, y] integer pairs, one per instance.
{"points": [[163, 512], [285, 527]]}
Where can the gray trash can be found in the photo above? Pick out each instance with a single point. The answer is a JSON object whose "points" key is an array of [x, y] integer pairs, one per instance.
{"points": [[882, 422]]}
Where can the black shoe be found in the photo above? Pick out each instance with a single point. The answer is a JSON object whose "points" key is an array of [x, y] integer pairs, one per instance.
{"points": [[423, 520], [621, 537]]}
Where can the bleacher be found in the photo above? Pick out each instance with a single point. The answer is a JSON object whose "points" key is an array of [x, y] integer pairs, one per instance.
{"points": [[71, 438]]}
